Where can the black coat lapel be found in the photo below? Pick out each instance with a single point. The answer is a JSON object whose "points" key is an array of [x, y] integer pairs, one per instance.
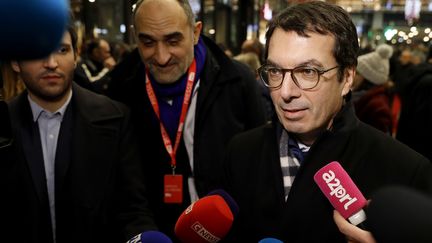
{"points": [[64, 150], [34, 157]]}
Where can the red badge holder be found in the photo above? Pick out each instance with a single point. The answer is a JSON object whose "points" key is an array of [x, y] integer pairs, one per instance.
{"points": [[173, 189]]}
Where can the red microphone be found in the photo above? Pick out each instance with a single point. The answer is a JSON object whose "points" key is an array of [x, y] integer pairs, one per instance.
{"points": [[207, 220], [341, 191]]}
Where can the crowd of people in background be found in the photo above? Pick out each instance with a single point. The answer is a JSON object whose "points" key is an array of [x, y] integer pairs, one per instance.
{"points": [[400, 72], [180, 110]]}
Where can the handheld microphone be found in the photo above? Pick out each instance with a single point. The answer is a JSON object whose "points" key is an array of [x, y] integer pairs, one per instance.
{"points": [[31, 28], [207, 220], [150, 237], [399, 214], [341, 191], [270, 240]]}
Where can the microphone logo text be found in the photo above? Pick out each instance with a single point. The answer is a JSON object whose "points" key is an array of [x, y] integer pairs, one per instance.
{"points": [[204, 233], [337, 190]]}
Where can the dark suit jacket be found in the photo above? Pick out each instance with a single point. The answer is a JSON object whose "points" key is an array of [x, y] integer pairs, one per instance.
{"points": [[254, 179], [228, 102], [98, 177]]}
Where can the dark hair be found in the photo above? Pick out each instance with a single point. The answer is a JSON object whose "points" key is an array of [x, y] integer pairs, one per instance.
{"points": [[91, 45], [74, 37], [323, 18]]}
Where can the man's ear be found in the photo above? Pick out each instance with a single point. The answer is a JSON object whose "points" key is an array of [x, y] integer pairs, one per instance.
{"points": [[197, 31], [348, 80], [15, 66]]}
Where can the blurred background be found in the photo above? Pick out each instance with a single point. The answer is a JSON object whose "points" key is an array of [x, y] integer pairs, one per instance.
{"points": [[230, 22]]}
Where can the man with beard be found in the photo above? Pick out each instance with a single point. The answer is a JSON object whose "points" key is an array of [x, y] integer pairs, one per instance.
{"points": [[187, 99], [78, 177]]}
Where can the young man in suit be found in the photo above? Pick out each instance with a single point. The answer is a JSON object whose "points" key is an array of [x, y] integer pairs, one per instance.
{"points": [[78, 177]]}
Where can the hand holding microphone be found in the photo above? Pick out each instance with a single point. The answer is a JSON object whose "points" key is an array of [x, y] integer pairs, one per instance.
{"points": [[352, 232], [207, 220], [341, 191]]}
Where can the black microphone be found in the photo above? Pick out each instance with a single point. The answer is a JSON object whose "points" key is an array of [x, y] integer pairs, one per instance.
{"points": [[399, 214], [31, 28], [151, 236]]}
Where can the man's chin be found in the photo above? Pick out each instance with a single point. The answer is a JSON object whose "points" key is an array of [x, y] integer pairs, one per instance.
{"points": [[166, 79]]}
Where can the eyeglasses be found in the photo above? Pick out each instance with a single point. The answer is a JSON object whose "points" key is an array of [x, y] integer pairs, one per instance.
{"points": [[304, 77]]}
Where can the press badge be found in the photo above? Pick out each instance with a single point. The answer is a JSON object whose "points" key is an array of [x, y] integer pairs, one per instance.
{"points": [[173, 189]]}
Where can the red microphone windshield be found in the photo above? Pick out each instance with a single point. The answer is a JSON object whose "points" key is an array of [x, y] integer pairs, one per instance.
{"points": [[341, 191], [207, 220]]}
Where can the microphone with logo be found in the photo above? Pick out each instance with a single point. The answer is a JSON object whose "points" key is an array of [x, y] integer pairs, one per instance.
{"points": [[151, 236], [342, 193], [207, 220]]}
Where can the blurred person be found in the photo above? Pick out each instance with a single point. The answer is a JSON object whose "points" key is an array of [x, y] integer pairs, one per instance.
{"points": [[187, 99], [372, 95], [121, 50], [402, 70], [253, 45], [78, 175], [311, 58], [94, 65], [226, 50], [252, 61], [418, 57], [12, 83], [414, 127]]}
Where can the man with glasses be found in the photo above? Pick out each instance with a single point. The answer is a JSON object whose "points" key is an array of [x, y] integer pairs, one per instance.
{"points": [[311, 57]]}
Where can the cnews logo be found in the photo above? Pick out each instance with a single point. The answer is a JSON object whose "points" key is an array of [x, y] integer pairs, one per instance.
{"points": [[337, 190], [205, 234]]}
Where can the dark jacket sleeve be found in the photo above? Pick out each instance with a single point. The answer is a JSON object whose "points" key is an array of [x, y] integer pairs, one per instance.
{"points": [[134, 214]]}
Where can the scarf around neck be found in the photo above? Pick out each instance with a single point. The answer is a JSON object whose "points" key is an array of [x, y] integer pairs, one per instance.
{"points": [[170, 96]]}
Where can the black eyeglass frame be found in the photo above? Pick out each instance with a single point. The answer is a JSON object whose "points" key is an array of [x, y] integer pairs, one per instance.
{"points": [[320, 72]]}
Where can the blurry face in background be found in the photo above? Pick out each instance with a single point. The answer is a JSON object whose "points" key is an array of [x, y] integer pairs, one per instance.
{"points": [[405, 57], [165, 39], [102, 52], [307, 113], [49, 79]]}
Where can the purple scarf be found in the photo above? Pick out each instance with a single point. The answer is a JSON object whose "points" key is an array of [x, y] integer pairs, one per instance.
{"points": [[170, 113]]}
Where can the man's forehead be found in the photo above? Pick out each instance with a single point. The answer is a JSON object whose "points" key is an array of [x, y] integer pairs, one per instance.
{"points": [[67, 39]]}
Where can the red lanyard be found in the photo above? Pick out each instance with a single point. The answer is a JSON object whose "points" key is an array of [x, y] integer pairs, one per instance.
{"points": [[186, 100]]}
